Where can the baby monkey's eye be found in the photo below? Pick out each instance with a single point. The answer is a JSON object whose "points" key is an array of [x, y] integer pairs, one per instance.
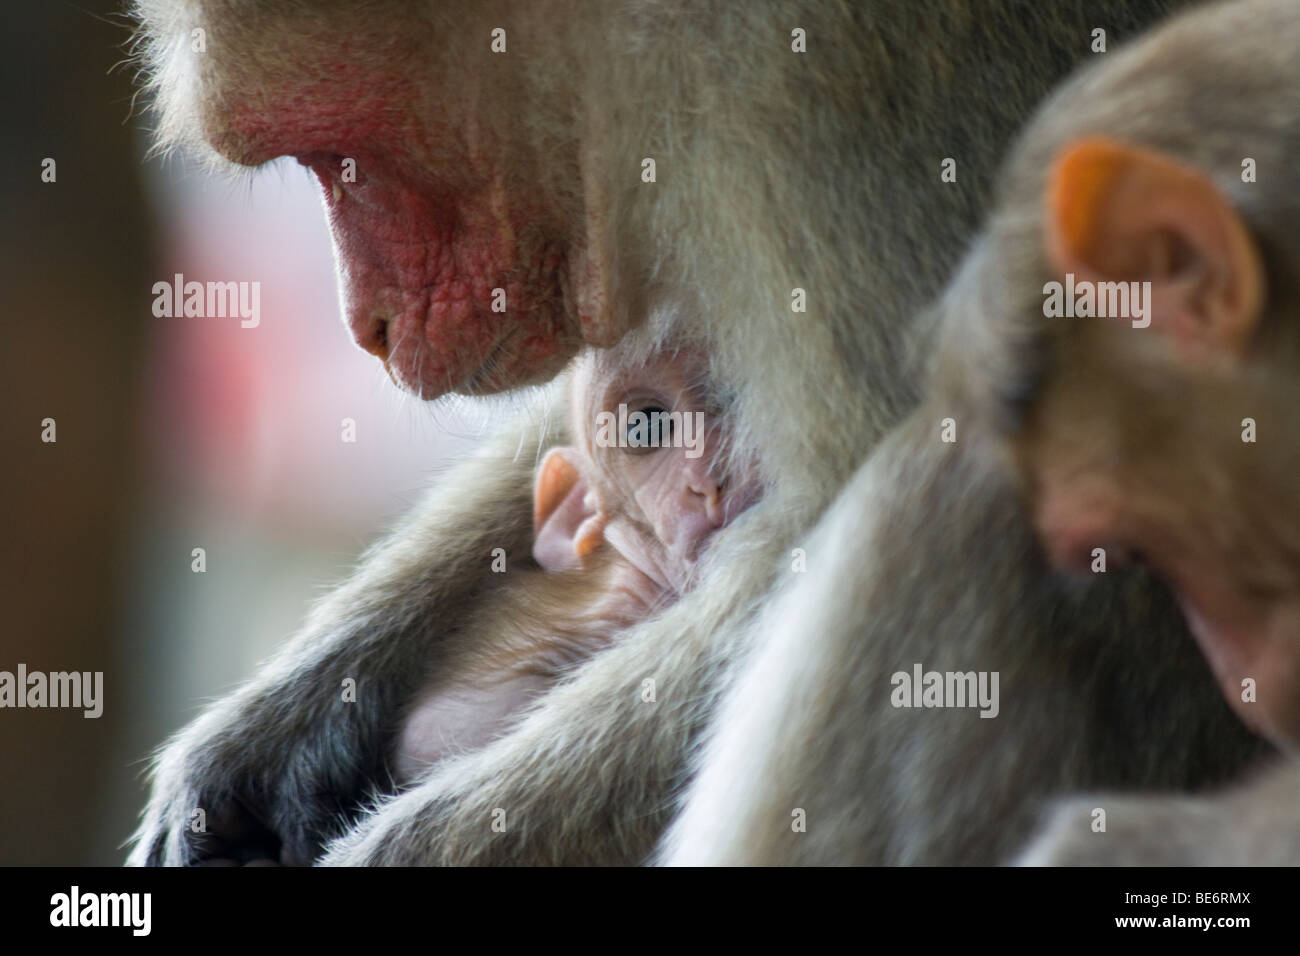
{"points": [[649, 428]]}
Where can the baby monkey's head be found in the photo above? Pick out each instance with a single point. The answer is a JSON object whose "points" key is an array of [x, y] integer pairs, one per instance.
{"points": [[648, 470]]}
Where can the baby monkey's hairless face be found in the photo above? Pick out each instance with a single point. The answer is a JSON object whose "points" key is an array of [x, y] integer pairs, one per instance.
{"points": [[650, 463]]}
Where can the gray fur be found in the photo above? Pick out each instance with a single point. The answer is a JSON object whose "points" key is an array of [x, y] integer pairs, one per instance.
{"points": [[777, 170], [931, 558]]}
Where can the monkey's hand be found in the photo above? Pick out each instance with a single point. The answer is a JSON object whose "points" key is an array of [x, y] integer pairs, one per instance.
{"points": [[1251, 825], [279, 767], [214, 802], [283, 765]]}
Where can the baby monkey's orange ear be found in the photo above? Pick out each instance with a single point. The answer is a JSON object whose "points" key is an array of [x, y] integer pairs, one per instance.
{"points": [[1122, 213], [556, 477], [568, 524]]}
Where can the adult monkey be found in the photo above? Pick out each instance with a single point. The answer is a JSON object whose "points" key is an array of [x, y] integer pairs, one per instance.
{"points": [[1222, 352], [524, 170], [1124, 438]]}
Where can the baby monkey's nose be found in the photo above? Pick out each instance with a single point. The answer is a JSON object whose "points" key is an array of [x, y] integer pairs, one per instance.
{"points": [[710, 490]]}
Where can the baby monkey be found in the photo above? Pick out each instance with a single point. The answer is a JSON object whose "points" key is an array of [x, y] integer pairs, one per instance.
{"points": [[620, 519]]}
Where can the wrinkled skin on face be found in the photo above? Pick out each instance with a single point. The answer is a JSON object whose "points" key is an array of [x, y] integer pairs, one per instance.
{"points": [[664, 480], [465, 237]]}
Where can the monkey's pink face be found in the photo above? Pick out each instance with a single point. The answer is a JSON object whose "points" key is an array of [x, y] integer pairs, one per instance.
{"points": [[456, 289], [463, 236], [1217, 522], [667, 461], [1238, 584]]}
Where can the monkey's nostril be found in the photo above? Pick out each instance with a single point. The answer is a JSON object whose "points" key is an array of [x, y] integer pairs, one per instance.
{"points": [[375, 339], [714, 506]]}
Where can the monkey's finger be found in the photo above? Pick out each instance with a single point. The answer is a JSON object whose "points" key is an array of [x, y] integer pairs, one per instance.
{"points": [[233, 830]]}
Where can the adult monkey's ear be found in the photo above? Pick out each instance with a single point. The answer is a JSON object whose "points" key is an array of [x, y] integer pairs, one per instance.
{"points": [[1122, 213], [568, 523]]}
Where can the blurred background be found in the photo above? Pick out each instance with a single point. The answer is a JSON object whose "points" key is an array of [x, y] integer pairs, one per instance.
{"points": [[172, 433]]}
